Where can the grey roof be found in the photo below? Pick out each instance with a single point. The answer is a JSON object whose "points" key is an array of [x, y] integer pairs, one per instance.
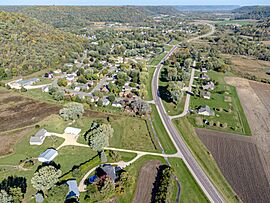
{"points": [[41, 133], [39, 197], [39, 136], [109, 170], [27, 82], [73, 189], [205, 108], [48, 154]]}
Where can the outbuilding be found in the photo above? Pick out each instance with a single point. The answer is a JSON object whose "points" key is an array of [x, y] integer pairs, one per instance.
{"points": [[39, 137], [73, 191], [48, 155]]}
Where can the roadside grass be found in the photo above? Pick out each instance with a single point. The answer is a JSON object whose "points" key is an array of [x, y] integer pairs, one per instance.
{"points": [[173, 109], [205, 159], [151, 70], [228, 113], [190, 190], [163, 136], [156, 60]]}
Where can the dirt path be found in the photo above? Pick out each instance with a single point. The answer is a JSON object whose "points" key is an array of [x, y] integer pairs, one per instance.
{"points": [[255, 99], [146, 181]]}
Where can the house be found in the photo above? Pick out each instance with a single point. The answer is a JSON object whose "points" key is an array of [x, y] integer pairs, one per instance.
{"points": [[48, 75], [116, 104], [90, 83], [77, 89], [105, 89], [72, 131], [18, 84], [48, 155], [39, 197], [205, 111], [105, 102], [58, 71], [206, 95], [73, 191], [109, 171], [203, 70], [39, 137], [209, 86]]}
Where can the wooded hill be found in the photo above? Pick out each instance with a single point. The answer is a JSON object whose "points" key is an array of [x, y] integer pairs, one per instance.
{"points": [[252, 12], [70, 18], [27, 45]]}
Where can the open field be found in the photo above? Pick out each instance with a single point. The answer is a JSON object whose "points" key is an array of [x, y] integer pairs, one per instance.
{"points": [[204, 158], [17, 111], [239, 161], [251, 66], [235, 22], [151, 70], [226, 105], [255, 98], [145, 182]]}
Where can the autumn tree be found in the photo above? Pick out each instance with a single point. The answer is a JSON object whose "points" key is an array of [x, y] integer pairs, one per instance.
{"points": [[72, 111], [45, 178]]}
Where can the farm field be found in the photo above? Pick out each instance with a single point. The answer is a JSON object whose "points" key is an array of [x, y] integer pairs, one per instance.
{"points": [[146, 179], [235, 22], [248, 65], [17, 111], [239, 161], [255, 98], [229, 114]]}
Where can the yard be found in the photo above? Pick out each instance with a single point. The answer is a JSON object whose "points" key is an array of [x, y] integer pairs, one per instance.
{"points": [[229, 114]]}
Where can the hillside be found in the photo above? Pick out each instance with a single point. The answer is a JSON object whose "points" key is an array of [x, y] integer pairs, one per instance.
{"points": [[28, 45], [252, 12], [72, 18]]}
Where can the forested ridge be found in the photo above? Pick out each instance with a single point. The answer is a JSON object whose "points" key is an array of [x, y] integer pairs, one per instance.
{"points": [[27, 45], [253, 12], [70, 18]]}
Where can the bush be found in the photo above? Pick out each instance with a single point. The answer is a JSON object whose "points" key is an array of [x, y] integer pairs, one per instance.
{"points": [[103, 157], [115, 156], [72, 111]]}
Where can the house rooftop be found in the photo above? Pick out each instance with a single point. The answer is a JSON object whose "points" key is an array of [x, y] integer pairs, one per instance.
{"points": [[109, 170], [48, 155], [73, 190]]}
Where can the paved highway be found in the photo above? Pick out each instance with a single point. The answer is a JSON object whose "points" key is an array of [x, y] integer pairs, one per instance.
{"points": [[204, 182]]}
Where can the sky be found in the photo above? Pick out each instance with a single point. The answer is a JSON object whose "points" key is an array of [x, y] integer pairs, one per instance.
{"points": [[134, 2]]}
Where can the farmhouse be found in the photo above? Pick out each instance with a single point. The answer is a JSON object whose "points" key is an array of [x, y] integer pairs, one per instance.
{"points": [[39, 137], [209, 86], [109, 171], [18, 84], [73, 191], [72, 131], [206, 111], [48, 155]]}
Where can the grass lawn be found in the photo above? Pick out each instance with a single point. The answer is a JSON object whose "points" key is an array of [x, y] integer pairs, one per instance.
{"points": [[173, 109], [155, 61], [206, 161], [190, 191], [228, 112], [164, 138], [239, 22]]}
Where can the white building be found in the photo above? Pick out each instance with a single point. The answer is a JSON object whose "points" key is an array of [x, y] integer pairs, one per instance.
{"points": [[48, 155]]}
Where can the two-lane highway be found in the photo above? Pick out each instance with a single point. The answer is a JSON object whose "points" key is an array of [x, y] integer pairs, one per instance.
{"points": [[204, 182]]}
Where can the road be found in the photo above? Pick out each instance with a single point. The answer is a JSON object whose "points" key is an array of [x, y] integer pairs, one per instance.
{"points": [[204, 182]]}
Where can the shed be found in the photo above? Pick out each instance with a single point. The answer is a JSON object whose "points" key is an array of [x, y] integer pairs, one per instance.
{"points": [[39, 197], [48, 155], [39, 137], [72, 131]]}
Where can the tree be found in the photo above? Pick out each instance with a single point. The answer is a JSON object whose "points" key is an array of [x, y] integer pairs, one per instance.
{"points": [[175, 90], [140, 107], [16, 194], [58, 94], [72, 111], [45, 178], [5, 197], [98, 136], [62, 82], [188, 62], [108, 187], [111, 98]]}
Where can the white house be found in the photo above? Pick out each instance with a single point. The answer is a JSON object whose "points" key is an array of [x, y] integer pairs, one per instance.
{"points": [[39, 137], [206, 111], [72, 131], [48, 155], [45, 89], [210, 85], [116, 104], [105, 102]]}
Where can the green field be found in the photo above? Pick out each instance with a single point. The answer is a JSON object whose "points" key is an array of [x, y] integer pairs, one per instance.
{"points": [[231, 22], [228, 113], [204, 158], [151, 70], [163, 136], [155, 61]]}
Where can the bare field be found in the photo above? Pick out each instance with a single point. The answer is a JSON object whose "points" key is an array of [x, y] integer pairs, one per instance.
{"points": [[239, 161], [145, 182], [251, 66], [18, 111]]}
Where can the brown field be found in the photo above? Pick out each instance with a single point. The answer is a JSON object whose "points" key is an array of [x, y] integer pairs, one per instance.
{"points": [[145, 182], [239, 161], [266, 42], [251, 66], [255, 99], [18, 111]]}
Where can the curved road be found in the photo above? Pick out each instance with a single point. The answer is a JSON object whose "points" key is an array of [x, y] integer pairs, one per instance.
{"points": [[204, 182]]}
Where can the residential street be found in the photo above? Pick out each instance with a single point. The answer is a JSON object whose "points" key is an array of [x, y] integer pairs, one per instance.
{"points": [[204, 182]]}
